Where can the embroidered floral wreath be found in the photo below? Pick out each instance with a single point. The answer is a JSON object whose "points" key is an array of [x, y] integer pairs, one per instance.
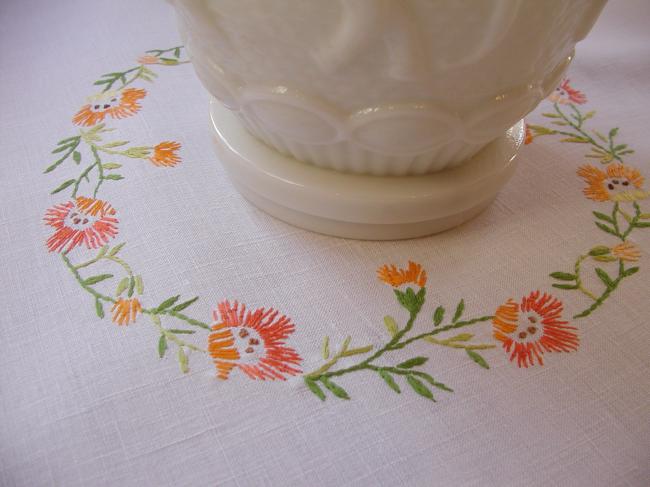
{"points": [[254, 341]]}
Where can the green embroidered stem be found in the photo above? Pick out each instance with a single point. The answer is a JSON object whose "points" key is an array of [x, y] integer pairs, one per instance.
{"points": [[175, 314], [453, 326], [612, 285], [452, 344], [395, 344], [155, 318], [81, 282], [578, 128], [579, 284]]}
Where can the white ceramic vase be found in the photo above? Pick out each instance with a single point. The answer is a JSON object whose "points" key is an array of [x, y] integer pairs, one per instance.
{"points": [[379, 87]]}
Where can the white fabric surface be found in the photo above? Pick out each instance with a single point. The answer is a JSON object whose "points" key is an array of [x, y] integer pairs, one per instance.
{"points": [[86, 402]]}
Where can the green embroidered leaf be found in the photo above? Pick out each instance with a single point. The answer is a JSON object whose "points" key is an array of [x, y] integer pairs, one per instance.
{"points": [[337, 390], [326, 348], [557, 122], [114, 177], [620, 147], [391, 325], [99, 308], [604, 277], [565, 286], [642, 224], [602, 216], [131, 286], [356, 351], [111, 165], [346, 344], [63, 185], [419, 387], [182, 306], [409, 300], [459, 311], [477, 358], [589, 115], [433, 382], [462, 337], [413, 362], [182, 360], [600, 135], [313, 387], [177, 52], [162, 346], [102, 252], [76, 138], [599, 250], [122, 286], [575, 140], [438, 315], [95, 279], [605, 258], [192, 321], [181, 332], [139, 285], [631, 271], [644, 216], [550, 115], [563, 276], [116, 143], [65, 147], [167, 303], [388, 379], [607, 229], [116, 249], [76, 156], [613, 132]]}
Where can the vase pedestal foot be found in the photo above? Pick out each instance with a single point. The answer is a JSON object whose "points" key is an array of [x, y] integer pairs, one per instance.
{"points": [[361, 206]]}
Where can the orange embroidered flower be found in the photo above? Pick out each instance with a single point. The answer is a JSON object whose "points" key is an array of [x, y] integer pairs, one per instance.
{"points": [[565, 94], [528, 139], [617, 183], [396, 277], [84, 221], [148, 59], [626, 251], [125, 310], [253, 342], [529, 329], [117, 104], [164, 154]]}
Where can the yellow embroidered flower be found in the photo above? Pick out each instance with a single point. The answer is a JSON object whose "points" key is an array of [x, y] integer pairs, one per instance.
{"points": [[395, 277], [125, 311], [617, 183], [626, 251], [164, 154]]}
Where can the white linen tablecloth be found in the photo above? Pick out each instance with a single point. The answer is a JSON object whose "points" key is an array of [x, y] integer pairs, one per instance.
{"points": [[86, 400]]}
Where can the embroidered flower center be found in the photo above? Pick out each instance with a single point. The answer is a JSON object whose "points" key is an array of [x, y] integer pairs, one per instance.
{"points": [[617, 185], [249, 344], [103, 105], [79, 221], [529, 327]]}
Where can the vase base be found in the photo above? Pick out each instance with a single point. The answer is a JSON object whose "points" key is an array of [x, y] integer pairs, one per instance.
{"points": [[361, 206]]}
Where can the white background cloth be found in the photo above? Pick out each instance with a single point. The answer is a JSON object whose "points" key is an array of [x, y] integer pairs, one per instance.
{"points": [[86, 402]]}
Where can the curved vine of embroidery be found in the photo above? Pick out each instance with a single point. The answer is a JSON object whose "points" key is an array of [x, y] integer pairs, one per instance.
{"points": [[616, 183], [254, 341]]}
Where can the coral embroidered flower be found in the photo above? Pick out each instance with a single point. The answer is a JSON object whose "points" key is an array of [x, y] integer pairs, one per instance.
{"points": [[565, 94], [617, 183], [125, 311], [85, 221], [626, 251], [395, 277], [117, 104], [253, 342], [533, 327], [165, 154], [148, 59]]}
